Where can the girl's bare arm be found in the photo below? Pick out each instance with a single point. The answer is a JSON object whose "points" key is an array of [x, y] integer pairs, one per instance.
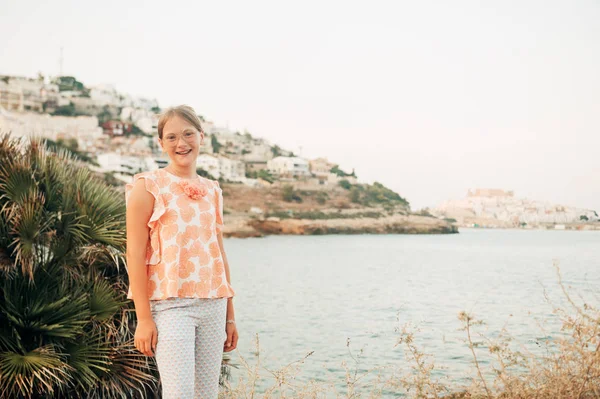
{"points": [[139, 209], [230, 311]]}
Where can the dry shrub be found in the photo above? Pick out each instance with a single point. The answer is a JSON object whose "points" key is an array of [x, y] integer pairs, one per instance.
{"points": [[567, 368]]}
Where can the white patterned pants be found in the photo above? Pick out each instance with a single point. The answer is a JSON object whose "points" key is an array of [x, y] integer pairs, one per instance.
{"points": [[189, 350]]}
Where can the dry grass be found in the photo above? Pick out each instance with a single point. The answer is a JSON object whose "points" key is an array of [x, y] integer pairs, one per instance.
{"points": [[567, 367]]}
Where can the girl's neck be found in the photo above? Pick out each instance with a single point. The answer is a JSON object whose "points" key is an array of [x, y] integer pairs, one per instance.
{"points": [[184, 173]]}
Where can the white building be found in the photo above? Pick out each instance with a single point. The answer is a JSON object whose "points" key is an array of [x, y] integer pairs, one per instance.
{"points": [[232, 169], [11, 97], [105, 95], [146, 120], [258, 150], [288, 166], [21, 94], [207, 126], [233, 143], [221, 167], [124, 166], [84, 129], [320, 167], [209, 163], [148, 125]]}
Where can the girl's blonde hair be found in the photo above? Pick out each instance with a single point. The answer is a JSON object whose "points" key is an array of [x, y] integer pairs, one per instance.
{"points": [[183, 111]]}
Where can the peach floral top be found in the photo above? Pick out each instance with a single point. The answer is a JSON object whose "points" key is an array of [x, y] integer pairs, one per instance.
{"points": [[183, 255]]}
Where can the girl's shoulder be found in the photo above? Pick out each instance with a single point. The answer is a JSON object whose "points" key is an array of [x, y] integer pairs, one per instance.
{"points": [[152, 173], [209, 183], [149, 174], [149, 182]]}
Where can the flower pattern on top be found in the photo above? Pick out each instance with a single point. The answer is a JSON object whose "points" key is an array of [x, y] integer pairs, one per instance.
{"points": [[183, 255], [193, 190]]}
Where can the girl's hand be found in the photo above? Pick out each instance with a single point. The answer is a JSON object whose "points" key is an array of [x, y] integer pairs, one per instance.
{"points": [[232, 337], [146, 336]]}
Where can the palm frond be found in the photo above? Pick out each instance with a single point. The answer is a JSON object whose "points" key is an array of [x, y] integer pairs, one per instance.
{"points": [[40, 371], [41, 308], [103, 207], [27, 230], [9, 146], [110, 257], [16, 179], [130, 374], [103, 300], [8, 340], [88, 357]]}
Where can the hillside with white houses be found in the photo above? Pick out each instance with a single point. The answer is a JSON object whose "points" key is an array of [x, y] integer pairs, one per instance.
{"points": [[119, 133]]}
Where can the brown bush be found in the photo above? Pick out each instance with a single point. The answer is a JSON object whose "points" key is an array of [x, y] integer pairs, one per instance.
{"points": [[569, 367]]}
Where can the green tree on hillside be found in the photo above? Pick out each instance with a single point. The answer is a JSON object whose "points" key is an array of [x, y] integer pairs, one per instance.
{"points": [[104, 115], [289, 194], [265, 175], [276, 150], [322, 197], [336, 170], [355, 195], [65, 110], [215, 144], [69, 83], [204, 173], [345, 184]]}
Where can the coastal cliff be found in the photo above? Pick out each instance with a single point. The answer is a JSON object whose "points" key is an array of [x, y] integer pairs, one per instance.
{"points": [[260, 211]]}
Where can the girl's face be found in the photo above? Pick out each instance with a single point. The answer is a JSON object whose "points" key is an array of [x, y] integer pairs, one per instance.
{"points": [[181, 141]]}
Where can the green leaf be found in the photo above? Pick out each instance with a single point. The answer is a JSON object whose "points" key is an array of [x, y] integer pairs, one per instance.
{"points": [[40, 371]]}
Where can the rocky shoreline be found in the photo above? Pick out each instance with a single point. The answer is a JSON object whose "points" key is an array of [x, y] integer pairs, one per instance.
{"points": [[395, 224]]}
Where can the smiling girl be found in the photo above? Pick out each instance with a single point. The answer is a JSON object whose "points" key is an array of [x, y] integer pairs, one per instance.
{"points": [[178, 271]]}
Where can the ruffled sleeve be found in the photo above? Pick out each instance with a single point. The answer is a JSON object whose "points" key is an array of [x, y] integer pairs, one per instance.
{"points": [[154, 251], [219, 205]]}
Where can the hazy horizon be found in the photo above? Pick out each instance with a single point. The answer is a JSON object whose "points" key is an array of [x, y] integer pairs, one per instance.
{"points": [[429, 98]]}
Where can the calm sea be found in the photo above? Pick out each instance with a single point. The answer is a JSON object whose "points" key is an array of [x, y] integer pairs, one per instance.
{"points": [[314, 293]]}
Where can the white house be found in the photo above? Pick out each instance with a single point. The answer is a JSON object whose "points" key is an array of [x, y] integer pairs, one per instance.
{"points": [[105, 94], [124, 166], [221, 167], [146, 120], [11, 97], [232, 169], [257, 150], [320, 167], [207, 126], [84, 129], [288, 166], [22, 94], [209, 163]]}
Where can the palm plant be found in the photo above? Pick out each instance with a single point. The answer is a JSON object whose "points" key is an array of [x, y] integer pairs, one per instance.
{"points": [[65, 324]]}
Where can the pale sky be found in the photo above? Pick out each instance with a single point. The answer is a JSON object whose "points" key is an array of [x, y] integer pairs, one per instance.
{"points": [[430, 98]]}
